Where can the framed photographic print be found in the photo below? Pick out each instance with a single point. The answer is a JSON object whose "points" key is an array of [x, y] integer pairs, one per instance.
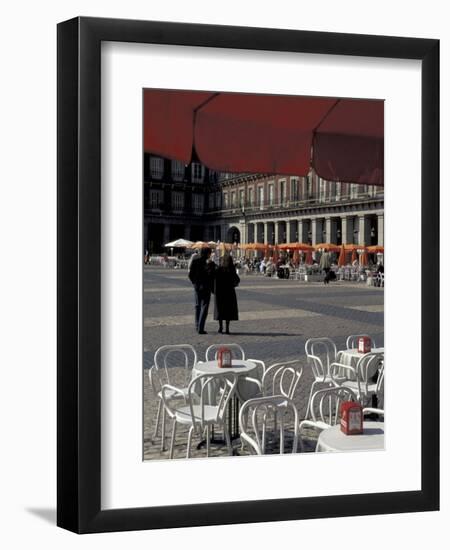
{"points": [[248, 237]]}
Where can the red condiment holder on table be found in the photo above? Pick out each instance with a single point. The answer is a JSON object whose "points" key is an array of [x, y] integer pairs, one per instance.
{"points": [[364, 344], [224, 357], [351, 418]]}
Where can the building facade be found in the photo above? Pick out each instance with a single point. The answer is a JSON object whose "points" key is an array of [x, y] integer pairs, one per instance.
{"points": [[195, 203]]}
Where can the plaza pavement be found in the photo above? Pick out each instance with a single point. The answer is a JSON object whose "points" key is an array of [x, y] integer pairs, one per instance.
{"points": [[277, 316]]}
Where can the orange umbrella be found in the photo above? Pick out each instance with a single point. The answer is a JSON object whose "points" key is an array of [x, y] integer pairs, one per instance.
{"points": [[296, 246], [309, 258], [363, 259], [200, 244], [341, 260], [296, 257], [255, 246], [327, 247], [376, 249], [275, 254], [354, 256]]}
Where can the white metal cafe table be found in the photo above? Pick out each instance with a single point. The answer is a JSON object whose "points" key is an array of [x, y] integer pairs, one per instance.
{"points": [[333, 439], [245, 389], [351, 356]]}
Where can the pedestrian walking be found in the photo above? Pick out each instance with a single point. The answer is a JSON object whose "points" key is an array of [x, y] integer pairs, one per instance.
{"points": [[225, 302], [325, 265], [201, 275]]}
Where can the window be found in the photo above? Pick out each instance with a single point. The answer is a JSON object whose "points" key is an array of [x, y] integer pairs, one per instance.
{"points": [[241, 198], [309, 193], [322, 190], [177, 170], [261, 197], [271, 189], [225, 200], [155, 198], [354, 190], [218, 199], [211, 201], [198, 171], [156, 167], [251, 197], [197, 202], [177, 200], [233, 199], [294, 190], [283, 197]]}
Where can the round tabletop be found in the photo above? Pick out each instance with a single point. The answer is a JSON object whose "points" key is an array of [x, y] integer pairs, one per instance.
{"points": [[238, 367], [333, 439], [353, 353]]}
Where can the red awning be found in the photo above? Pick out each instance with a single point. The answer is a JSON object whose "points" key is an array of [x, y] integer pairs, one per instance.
{"points": [[341, 138]]}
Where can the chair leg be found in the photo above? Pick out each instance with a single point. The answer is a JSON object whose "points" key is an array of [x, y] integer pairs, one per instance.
{"points": [[281, 434], [172, 441], [163, 429], [245, 419], [158, 414], [263, 436], [228, 440], [309, 400], [188, 451], [208, 443]]}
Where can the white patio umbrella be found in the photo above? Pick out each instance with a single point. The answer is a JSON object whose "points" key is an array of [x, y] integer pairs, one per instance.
{"points": [[179, 243]]}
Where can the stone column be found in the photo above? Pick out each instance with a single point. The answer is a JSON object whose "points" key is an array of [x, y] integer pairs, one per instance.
{"points": [[380, 228], [266, 231], [302, 236], [327, 236], [345, 229], [362, 230], [314, 231]]}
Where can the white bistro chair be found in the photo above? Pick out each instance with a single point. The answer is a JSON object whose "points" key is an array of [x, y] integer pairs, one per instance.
{"points": [[280, 380], [325, 408], [166, 358], [201, 408], [320, 354], [365, 380], [258, 410]]}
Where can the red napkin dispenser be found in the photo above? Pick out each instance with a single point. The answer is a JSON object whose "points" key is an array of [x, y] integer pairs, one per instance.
{"points": [[364, 344], [351, 418], [224, 357]]}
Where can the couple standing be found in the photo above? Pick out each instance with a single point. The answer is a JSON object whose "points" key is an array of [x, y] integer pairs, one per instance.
{"points": [[207, 277]]}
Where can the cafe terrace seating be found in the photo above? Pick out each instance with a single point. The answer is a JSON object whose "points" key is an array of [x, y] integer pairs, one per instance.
{"points": [[208, 400]]}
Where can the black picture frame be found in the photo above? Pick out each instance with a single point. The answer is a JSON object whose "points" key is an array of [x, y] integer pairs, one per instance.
{"points": [[79, 280]]}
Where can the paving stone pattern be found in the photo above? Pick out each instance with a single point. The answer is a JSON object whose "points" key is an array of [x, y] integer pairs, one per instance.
{"points": [[277, 316]]}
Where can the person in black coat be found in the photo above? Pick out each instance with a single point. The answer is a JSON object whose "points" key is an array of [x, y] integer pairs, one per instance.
{"points": [[201, 275], [225, 304]]}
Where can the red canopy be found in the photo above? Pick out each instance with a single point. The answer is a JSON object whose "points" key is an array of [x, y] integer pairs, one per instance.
{"points": [[268, 133]]}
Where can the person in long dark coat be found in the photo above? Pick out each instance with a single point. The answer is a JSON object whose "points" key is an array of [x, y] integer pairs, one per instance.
{"points": [[225, 303], [201, 275]]}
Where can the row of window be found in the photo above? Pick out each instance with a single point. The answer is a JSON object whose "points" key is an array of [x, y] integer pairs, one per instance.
{"points": [[156, 199], [177, 170], [298, 191]]}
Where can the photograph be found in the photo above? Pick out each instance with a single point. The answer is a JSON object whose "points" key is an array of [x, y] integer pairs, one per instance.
{"points": [[263, 274]]}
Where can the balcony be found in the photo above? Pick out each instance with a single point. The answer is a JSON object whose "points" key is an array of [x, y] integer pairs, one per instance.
{"points": [[286, 204]]}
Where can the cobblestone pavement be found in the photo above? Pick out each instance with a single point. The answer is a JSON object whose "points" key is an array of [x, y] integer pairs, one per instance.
{"points": [[277, 316]]}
